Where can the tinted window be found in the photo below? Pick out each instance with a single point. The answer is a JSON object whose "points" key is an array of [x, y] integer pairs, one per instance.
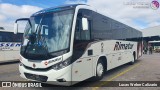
{"points": [[10, 37], [79, 33]]}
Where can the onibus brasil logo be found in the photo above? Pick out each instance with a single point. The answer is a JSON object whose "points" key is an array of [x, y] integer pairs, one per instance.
{"points": [[155, 5]]}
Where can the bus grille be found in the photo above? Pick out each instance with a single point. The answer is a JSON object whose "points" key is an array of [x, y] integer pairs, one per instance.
{"points": [[36, 77]]}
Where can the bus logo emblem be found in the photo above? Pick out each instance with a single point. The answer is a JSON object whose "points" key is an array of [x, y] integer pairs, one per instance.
{"points": [[45, 63], [120, 46], [34, 65]]}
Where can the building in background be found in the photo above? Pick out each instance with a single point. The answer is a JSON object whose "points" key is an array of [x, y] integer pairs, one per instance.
{"points": [[151, 37]]}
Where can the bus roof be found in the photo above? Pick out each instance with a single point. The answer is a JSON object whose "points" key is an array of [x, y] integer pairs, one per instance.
{"points": [[57, 8]]}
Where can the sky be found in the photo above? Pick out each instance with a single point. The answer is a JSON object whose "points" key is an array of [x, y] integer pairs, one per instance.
{"points": [[136, 13]]}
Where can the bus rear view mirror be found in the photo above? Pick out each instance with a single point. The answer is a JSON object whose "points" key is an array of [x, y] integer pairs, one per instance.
{"points": [[84, 24], [16, 24], [15, 28]]}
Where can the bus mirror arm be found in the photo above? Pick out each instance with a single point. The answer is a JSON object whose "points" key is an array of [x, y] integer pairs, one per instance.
{"points": [[16, 24], [15, 28]]}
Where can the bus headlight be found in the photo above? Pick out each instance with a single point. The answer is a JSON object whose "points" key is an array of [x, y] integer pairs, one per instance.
{"points": [[62, 64]]}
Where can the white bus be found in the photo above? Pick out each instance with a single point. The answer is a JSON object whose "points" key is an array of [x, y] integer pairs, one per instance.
{"points": [[155, 45], [9, 46], [68, 44]]}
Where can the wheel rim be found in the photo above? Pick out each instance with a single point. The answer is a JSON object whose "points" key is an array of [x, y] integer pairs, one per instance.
{"points": [[99, 69]]}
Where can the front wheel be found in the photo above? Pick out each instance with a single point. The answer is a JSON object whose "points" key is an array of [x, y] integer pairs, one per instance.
{"points": [[99, 70]]}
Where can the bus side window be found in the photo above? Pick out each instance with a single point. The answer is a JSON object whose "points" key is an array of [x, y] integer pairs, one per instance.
{"points": [[1, 38], [7, 37], [79, 33], [85, 34], [78, 29]]}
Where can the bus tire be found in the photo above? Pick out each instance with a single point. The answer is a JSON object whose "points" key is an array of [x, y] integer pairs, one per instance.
{"points": [[100, 70], [132, 62]]}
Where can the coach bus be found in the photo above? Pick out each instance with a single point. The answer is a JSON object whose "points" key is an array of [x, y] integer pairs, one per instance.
{"points": [[68, 44], [9, 46]]}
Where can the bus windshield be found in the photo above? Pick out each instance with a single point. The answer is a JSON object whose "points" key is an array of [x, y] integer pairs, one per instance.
{"points": [[48, 33]]}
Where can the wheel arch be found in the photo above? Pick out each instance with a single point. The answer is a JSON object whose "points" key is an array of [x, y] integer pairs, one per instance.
{"points": [[134, 54], [104, 60]]}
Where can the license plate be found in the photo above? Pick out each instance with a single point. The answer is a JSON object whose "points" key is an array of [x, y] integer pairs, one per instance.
{"points": [[35, 77]]}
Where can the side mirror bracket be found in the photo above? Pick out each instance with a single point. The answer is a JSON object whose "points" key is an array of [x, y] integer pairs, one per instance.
{"points": [[16, 24]]}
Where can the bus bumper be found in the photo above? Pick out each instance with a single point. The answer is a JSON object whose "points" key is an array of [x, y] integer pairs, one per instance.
{"points": [[55, 77]]}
